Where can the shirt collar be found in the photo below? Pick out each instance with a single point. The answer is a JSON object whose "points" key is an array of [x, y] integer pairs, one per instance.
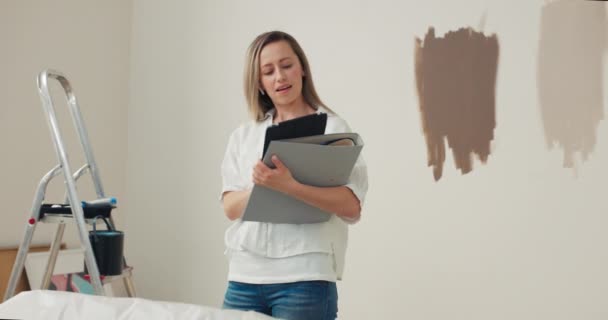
{"points": [[270, 113]]}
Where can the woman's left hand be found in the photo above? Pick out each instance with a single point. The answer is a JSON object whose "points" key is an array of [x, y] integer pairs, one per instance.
{"points": [[279, 178]]}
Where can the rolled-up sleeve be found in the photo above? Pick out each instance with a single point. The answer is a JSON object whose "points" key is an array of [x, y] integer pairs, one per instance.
{"points": [[357, 183], [232, 179]]}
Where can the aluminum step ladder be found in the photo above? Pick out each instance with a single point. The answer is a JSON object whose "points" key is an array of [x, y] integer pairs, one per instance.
{"points": [[73, 210]]}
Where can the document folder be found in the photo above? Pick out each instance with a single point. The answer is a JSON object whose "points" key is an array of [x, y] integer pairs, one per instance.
{"points": [[310, 125], [321, 161]]}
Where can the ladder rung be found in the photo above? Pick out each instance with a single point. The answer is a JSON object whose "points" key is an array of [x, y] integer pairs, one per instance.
{"points": [[62, 218], [65, 210], [126, 272]]}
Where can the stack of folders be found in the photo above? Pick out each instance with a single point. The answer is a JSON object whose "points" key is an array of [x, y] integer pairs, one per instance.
{"points": [[321, 161]]}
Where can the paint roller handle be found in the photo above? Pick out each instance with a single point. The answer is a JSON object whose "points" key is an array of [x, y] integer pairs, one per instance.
{"points": [[103, 202]]}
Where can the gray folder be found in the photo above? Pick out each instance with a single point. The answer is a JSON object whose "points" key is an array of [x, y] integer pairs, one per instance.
{"points": [[321, 161]]}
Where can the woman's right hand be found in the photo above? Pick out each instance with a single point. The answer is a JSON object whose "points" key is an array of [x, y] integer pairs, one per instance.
{"points": [[278, 179]]}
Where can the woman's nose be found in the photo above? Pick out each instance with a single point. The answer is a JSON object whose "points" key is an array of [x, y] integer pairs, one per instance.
{"points": [[280, 75]]}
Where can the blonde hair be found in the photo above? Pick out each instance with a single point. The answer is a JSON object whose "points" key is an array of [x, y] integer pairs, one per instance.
{"points": [[259, 104]]}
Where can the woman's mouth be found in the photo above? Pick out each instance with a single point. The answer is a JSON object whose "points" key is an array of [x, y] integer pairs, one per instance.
{"points": [[283, 89]]}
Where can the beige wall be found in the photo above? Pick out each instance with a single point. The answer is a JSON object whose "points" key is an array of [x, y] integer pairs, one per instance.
{"points": [[89, 43], [518, 238]]}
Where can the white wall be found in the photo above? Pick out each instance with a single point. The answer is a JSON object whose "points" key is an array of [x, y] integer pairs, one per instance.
{"points": [[89, 43], [518, 238]]}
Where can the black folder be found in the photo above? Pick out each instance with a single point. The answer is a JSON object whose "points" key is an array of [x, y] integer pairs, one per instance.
{"points": [[310, 125]]}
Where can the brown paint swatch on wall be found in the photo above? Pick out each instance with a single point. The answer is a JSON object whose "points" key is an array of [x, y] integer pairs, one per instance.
{"points": [[456, 82], [572, 44]]}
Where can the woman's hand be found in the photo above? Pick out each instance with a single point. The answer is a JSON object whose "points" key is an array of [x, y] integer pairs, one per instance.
{"points": [[339, 200], [279, 178]]}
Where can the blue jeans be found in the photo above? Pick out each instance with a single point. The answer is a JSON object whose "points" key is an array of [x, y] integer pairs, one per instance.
{"points": [[310, 300]]}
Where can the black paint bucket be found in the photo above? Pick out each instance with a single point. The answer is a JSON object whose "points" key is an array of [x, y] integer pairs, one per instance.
{"points": [[108, 248]]}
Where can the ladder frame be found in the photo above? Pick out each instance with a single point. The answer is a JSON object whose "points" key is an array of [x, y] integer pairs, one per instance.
{"points": [[71, 194]]}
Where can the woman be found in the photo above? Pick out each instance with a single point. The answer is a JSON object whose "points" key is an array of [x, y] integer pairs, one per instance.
{"points": [[288, 271]]}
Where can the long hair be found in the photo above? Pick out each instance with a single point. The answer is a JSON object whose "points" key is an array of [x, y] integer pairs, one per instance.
{"points": [[258, 104]]}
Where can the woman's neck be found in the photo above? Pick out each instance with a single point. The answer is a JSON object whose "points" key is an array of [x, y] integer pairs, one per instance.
{"points": [[292, 111]]}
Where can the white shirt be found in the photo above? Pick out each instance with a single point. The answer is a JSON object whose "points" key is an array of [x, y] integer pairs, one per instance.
{"points": [[274, 253]]}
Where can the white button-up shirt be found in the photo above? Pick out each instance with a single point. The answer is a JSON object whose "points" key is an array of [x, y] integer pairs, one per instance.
{"points": [[257, 242]]}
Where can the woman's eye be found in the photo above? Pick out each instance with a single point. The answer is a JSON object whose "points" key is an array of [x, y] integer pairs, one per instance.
{"points": [[267, 73], [287, 66]]}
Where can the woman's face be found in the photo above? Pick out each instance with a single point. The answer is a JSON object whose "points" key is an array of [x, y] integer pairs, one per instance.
{"points": [[281, 73]]}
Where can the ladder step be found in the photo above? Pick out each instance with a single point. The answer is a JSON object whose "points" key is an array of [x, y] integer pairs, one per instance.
{"points": [[90, 212], [127, 272]]}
